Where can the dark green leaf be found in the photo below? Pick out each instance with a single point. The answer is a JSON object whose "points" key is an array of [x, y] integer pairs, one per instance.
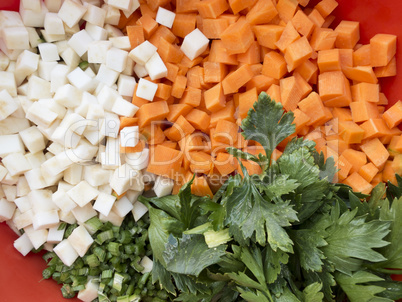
{"points": [[272, 261], [251, 296], [312, 293]]}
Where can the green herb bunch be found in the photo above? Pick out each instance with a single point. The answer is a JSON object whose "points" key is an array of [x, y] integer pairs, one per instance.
{"points": [[288, 234]]}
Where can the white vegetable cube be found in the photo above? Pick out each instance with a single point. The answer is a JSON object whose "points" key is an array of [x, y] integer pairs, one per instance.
{"points": [[68, 96], [113, 218], [129, 70], [58, 77], [10, 191], [116, 59], [68, 217], [6, 209], [63, 201], [27, 62], [84, 213], [120, 4], [55, 235], [124, 108], [106, 75], [104, 203], [45, 70], [50, 104], [146, 89], [33, 5], [10, 19], [123, 206], [112, 14], [33, 18], [97, 33], [52, 38], [143, 52], [7, 82], [22, 187], [16, 37], [126, 85], [80, 42], [95, 112], [123, 178], [38, 88], [66, 252], [70, 57], [155, 67], [37, 237], [71, 12], [40, 115], [139, 210], [45, 220], [34, 38], [7, 105], [23, 244], [53, 5], [23, 220], [57, 164], [83, 193], [129, 136], [95, 15], [73, 174], [4, 61], [80, 240], [165, 17], [80, 79], [16, 164], [140, 70], [33, 139], [111, 126], [3, 173], [97, 51], [41, 201], [194, 44], [90, 292], [96, 176], [48, 52], [121, 42], [147, 263], [11, 144], [23, 204], [35, 179], [53, 24], [163, 186]]}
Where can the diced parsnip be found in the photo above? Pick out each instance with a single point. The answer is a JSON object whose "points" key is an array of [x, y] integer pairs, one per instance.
{"points": [[33, 139], [147, 263], [97, 33], [53, 24], [97, 51], [16, 164], [139, 210], [155, 67], [194, 44], [80, 42], [146, 89], [84, 213], [23, 220], [83, 193], [48, 52], [45, 220], [68, 96], [7, 105], [94, 15], [106, 75], [113, 218], [90, 292], [122, 207], [37, 237], [7, 82], [129, 136], [165, 17], [137, 160], [11, 144], [116, 59], [23, 244], [104, 203], [163, 186], [123, 178], [80, 240], [124, 108], [6, 209], [71, 12], [16, 37], [142, 53], [66, 252], [35, 179]]}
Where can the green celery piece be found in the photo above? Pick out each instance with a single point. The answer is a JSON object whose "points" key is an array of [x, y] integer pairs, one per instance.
{"points": [[248, 213], [267, 124], [162, 225], [355, 288], [190, 254], [351, 240], [307, 247], [312, 293]]}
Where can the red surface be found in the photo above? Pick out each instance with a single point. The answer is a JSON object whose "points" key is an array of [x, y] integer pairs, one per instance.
{"points": [[20, 277]]}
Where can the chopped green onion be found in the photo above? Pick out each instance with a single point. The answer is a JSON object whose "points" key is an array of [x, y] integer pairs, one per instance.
{"points": [[123, 298], [92, 260], [78, 287], [48, 272], [107, 274], [83, 65], [62, 226], [94, 224], [118, 281], [48, 256], [106, 235], [114, 248], [67, 291], [100, 253], [69, 230], [136, 264]]}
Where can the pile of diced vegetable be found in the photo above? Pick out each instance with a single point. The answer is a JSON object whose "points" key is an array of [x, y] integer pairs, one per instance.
{"points": [[103, 101]]}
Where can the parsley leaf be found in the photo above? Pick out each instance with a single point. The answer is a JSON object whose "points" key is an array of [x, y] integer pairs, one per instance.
{"points": [[267, 124]]}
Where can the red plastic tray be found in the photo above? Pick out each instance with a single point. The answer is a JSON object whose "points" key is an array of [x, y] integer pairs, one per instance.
{"points": [[21, 277]]}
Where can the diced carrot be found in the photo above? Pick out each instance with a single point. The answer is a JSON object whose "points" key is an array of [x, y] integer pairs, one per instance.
{"points": [[183, 24], [342, 114], [219, 54], [128, 122], [268, 34], [198, 119], [344, 167], [200, 162], [350, 132], [246, 101], [226, 132], [366, 92], [382, 49], [329, 60], [286, 9], [361, 74], [169, 144], [304, 86], [226, 113], [326, 7], [274, 65], [136, 35], [328, 21], [376, 152], [163, 92], [225, 163], [148, 24], [262, 12], [357, 158], [374, 128], [308, 70], [213, 28], [261, 82], [194, 77], [212, 8], [214, 98], [274, 91], [179, 86], [288, 36], [291, 93], [172, 71], [363, 111], [233, 81], [176, 110], [368, 171], [238, 5], [146, 10], [323, 38], [397, 164], [162, 32], [338, 145], [358, 183], [313, 107], [395, 145], [393, 116], [154, 4], [316, 17], [252, 55], [348, 34], [303, 24], [386, 71], [200, 187], [297, 52], [238, 37], [150, 112], [301, 119], [165, 161], [388, 173], [361, 56], [191, 96], [153, 134], [181, 128], [303, 2], [186, 6], [137, 148], [377, 179], [169, 52], [214, 72]]}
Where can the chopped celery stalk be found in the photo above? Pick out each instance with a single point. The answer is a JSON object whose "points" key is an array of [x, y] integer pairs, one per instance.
{"points": [[106, 235], [94, 223], [118, 281], [83, 65], [107, 274], [62, 226], [100, 253], [92, 260], [114, 248]]}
